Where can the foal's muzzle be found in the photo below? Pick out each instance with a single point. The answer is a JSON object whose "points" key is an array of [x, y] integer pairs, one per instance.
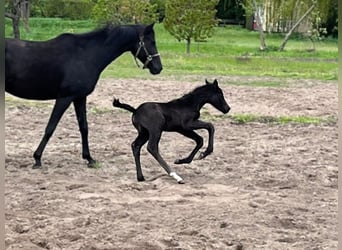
{"points": [[225, 109], [228, 108]]}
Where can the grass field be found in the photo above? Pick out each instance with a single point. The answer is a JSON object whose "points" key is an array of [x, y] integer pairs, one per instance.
{"points": [[231, 51]]}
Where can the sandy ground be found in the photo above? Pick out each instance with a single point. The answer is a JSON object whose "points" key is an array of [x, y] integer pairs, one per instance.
{"points": [[266, 186]]}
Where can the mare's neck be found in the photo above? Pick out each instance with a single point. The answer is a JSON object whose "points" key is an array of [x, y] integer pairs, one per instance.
{"points": [[111, 45]]}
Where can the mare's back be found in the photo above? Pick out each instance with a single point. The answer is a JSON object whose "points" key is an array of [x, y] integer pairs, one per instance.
{"points": [[20, 54], [33, 67]]}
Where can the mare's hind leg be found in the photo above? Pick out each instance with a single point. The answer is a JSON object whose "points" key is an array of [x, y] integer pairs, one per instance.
{"points": [[81, 113], [199, 143], [58, 110], [136, 147]]}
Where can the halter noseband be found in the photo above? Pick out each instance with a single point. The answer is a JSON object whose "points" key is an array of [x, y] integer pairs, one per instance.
{"points": [[148, 56]]}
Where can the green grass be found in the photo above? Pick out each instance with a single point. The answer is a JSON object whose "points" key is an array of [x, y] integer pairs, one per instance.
{"points": [[13, 102], [248, 118], [231, 51]]}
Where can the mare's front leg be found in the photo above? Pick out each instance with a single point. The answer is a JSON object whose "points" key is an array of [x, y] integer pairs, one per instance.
{"points": [[199, 143], [210, 128], [80, 106], [58, 110]]}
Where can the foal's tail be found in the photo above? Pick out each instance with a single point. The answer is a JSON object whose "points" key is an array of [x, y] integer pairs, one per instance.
{"points": [[117, 103]]}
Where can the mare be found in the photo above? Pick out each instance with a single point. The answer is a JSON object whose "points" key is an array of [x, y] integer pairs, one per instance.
{"points": [[68, 67], [180, 115]]}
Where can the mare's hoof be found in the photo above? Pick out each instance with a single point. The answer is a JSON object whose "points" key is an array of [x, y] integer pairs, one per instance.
{"points": [[94, 164], [141, 179], [37, 166], [181, 182]]}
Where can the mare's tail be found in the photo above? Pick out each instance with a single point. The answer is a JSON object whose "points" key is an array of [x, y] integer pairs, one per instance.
{"points": [[117, 103]]}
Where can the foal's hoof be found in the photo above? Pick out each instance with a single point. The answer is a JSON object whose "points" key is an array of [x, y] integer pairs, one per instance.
{"points": [[203, 155], [177, 177], [141, 179], [182, 161]]}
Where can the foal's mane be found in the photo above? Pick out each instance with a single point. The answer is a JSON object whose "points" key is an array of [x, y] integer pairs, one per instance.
{"points": [[200, 91]]}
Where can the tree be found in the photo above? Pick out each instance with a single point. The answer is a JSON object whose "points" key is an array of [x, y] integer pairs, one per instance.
{"points": [[305, 16], [190, 20], [125, 11], [16, 9], [257, 10], [282, 46]]}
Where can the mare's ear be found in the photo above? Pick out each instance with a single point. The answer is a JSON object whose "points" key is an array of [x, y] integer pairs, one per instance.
{"points": [[206, 82], [215, 83], [148, 28]]}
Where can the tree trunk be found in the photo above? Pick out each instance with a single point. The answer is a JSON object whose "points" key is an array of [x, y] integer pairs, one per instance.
{"points": [[16, 30], [15, 16], [282, 46], [15, 24], [188, 42], [259, 23], [25, 13]]}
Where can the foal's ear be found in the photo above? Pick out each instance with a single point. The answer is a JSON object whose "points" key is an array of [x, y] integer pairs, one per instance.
{"points": [[149, 28], [215, 83]]}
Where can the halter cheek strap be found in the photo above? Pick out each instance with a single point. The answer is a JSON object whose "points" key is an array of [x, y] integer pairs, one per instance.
{"points": [[149, 57]]}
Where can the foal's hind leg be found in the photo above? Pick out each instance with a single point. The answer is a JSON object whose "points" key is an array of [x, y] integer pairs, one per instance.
{"points": [[81, 113], [58, 110], [136, 147], [199, 143], [152, 147]]}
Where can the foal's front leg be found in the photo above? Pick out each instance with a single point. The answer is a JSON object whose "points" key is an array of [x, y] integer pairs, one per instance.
{"points": [[210, 128], [199, 143]]}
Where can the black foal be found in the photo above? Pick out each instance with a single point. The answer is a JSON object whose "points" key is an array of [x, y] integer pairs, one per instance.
{"points": [[180, 115]]}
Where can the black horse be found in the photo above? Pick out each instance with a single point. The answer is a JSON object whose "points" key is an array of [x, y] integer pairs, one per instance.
{"points": [[67, 68], [180, 115]]}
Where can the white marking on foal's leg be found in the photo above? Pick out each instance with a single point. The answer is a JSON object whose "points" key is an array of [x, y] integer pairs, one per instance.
{"points": [[177, 177]]}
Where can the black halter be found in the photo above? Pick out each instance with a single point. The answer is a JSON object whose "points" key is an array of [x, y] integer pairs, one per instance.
{"points": [[148, 56]]}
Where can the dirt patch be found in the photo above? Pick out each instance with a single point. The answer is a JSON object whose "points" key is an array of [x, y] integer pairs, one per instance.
{"points": [[266, 186]]}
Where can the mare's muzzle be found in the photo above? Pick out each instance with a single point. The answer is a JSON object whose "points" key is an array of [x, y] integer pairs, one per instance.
{"points": [[149, 57]]}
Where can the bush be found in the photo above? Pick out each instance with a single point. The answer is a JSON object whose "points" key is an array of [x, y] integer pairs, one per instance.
{"points": [[125, 11], [70, 9]]}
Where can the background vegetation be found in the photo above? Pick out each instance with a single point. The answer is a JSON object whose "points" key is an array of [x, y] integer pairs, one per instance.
{"points": [[232, 50]]}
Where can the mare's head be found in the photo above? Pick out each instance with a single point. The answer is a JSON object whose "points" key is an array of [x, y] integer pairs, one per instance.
{"points": [[146, 50], [215, 96]]}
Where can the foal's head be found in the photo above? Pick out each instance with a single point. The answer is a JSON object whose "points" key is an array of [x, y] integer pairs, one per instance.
{"points": [[146, 50], [215, 96]]}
